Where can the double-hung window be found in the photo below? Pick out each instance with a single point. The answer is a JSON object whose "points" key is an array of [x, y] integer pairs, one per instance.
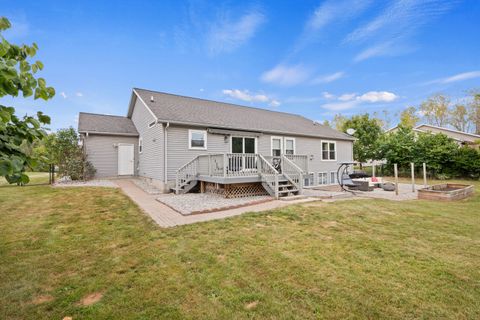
{"points": [[276, 146], [333, 177], [289, 146], [329, 150], [197, 139]]}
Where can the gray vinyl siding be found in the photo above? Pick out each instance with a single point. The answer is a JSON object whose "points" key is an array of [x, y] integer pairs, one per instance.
{"points": [[151, 160], [102, 152], [178, 152], [313, 148]]}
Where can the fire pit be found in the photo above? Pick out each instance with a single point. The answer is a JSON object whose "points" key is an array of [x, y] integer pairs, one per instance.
{"points": [[446, 192]]}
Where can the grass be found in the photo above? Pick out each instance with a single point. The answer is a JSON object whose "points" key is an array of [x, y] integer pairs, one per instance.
{"points": [[348, 259], [35, 178]]}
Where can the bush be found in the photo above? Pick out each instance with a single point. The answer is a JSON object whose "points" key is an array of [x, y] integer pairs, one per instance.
{"points": [[467, 163]]}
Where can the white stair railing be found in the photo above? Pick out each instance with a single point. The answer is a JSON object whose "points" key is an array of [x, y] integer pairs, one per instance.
{"points": [[185, 174], [268, 175], [293, 173]]}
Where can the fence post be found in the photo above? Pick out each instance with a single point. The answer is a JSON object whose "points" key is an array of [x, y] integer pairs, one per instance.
{"points": [[412, 167], [373, 170], [424, 175], [225, 165], [395, 169]]}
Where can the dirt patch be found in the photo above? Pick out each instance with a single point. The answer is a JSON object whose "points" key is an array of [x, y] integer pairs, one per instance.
{"points": [[251, 305], [314, 204], [90, 299], [43, 299], [67, 318], [329, 224]]}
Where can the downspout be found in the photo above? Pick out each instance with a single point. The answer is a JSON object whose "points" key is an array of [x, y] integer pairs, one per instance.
{"points": [[165, 164]]}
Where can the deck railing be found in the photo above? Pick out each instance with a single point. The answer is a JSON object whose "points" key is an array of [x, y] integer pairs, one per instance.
{"points": [[269, 176], [293, 173], [237, 165]]}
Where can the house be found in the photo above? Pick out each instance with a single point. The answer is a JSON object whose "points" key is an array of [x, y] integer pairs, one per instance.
{"points": [[461, 138], [178, 142]]}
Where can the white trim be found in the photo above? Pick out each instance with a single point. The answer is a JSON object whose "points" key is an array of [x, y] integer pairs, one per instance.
{"points": [[243, 142], [447, 129], [321, 150], [140, 145], [294, 145], [146, 106], [204, 132], [271, 144]]}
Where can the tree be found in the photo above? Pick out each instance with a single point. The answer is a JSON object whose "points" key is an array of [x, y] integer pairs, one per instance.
{"points": [[367, 132], [62, 149], [474, 110], [409, 118], [17, 75], [459, 118], [398, 147], [437, 151], [338, 121], [435, 110]]}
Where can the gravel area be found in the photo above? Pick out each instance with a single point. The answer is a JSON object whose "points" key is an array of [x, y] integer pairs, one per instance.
{"points": [[192, 203], [145, 186], [90, 183]]}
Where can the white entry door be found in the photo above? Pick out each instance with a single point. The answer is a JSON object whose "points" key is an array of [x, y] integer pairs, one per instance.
{"points": [[125, 160]]}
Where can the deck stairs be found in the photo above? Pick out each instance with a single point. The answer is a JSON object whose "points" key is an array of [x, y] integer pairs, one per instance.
{"points": [[285, 182]]}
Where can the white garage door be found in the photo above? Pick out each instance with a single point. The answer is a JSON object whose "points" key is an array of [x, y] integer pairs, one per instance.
{"points": [[125, 159]]}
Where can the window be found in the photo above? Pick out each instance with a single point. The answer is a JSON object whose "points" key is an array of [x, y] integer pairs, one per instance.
{"points": [[197, 139], [151, 124], [289, 146], [140, 145], [276, 146], [243, 145], [322, 178], [329, 150], [333, 177], [308, 181]]}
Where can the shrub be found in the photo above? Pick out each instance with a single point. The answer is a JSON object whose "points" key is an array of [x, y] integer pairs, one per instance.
{"points": [[467, 163]]}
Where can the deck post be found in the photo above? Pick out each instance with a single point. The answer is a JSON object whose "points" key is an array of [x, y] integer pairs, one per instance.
{"points": [[209, 164], [412, 167], [395, 169], [424, 175], [373, 170], [224, 165], [276, 185]]}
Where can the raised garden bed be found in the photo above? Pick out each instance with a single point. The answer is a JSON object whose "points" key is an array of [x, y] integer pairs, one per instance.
{"points": [[446, 192]]}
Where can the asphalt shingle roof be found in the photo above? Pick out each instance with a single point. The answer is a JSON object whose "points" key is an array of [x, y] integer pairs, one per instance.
{"points": [[101, 123], [187, 110]]}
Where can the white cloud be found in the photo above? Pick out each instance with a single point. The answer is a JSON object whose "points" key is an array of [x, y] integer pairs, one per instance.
{"points": [[340, 105], [79, 94], [285, 75], [63, 94], [351, 100], [329, 77], [378, 96], [245, 95], [201, 90], [458, 77], [227, 35], [347, 96], [275, 103], [327, 95], [400, 17]]}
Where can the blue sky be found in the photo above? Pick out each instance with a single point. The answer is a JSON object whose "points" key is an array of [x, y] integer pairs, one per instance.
{"points": [[315, 58]]}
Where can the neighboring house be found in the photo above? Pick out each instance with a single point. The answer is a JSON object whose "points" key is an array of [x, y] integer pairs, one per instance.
{"points": [[176, 141], [462, 138]]}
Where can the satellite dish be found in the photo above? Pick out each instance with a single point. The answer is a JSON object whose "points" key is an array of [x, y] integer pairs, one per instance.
{"points": [[351, 131]]}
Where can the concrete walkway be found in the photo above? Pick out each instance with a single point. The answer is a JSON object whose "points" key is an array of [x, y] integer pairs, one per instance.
{"points": [[167, 217]]}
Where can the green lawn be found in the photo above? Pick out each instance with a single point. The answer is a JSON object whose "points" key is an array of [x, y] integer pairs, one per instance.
{"points": [[35, 178], [349, 259]]}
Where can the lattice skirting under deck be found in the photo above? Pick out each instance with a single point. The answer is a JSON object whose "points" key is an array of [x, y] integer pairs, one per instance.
{"points": [[237, 190]]}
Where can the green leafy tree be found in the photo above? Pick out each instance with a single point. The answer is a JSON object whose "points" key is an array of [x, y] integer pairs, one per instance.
{"points": [[437, 151], [409, 118], [435, 110], [398, 147], [467, 162], [368, 133], [474, 110], [17, 134]]}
